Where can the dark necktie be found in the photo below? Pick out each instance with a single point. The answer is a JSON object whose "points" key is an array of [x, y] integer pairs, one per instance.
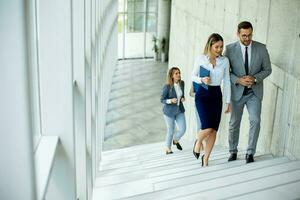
{"points": [[246, 89], [246, 61]]}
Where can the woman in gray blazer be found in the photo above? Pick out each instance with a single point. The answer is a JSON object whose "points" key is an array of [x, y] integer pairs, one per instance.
{"points": [[172, 97]]}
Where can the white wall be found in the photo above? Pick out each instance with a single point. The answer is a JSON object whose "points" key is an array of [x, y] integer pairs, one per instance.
{"points": [[16, 139], [56, 91], [57, 63], [276, 23]]}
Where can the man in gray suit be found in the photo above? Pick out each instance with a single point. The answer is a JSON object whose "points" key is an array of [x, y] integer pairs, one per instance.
{"points": [[249, 66]]}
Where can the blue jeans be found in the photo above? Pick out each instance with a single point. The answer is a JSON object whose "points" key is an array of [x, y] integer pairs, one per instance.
{"points": [[170, 122]]}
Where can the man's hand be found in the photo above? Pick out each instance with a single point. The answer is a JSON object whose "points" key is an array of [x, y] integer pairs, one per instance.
{"points": [[246, 80]]}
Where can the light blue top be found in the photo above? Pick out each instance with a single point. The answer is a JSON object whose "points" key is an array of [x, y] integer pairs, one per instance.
{"points": [[218, 73]]}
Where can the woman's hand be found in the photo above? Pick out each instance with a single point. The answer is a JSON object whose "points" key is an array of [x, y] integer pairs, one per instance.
{"points": [[205, 80], [182, 99], [228, 108], [174, 100]]}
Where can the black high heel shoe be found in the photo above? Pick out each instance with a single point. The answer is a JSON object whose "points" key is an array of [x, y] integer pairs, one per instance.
{"points": [[197, 155], [179, 147], [202, 162], [169, 152]]}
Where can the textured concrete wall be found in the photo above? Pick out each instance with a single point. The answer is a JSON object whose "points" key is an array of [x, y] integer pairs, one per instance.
{"points": [[163, 19], [277, 24]]}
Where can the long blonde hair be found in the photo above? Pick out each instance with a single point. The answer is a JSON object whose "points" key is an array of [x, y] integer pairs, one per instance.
{"points": [[170, 74], [212, 39]]}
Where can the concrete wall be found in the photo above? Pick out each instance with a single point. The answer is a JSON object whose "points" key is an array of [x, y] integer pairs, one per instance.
{"points": [[163, 19], [277, 24]]}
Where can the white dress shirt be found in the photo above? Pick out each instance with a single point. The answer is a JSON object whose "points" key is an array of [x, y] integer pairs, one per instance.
{"points": [[243, 48], [218, 73]]}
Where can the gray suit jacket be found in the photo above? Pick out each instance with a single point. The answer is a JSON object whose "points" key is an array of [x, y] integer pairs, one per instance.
{"points": [[169, 92], [260, 68]]}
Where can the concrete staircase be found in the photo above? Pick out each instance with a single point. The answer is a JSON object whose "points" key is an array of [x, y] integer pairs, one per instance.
{"points": [[145, 172]]}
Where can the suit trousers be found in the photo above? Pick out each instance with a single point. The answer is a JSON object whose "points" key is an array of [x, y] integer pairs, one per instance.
{"points": [[253, 105]]}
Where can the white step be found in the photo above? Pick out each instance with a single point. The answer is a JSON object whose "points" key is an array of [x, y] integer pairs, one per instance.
{"points": [[152, 162], [200, 170], [263, 179], [284, 191], [149, 170], [132, 170], [213, 161], [212, 173], [144, 172], [209, 182], [149, 150]]}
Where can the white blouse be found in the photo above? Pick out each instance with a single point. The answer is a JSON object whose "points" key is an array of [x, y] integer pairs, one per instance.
{"points": [[218, 73], [178, 92]]}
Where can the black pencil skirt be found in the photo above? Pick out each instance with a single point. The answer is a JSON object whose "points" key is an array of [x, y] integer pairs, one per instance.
{"points": [[209, 106]]}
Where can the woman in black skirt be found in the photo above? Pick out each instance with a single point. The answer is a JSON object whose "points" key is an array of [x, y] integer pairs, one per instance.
{"points": [[210, 70]]}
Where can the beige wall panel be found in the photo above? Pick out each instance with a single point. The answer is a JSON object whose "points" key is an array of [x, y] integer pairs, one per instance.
{"points": [[267, 117], [282, 34], [295, 59], [219, 16], [277, 142], [293, 147]]}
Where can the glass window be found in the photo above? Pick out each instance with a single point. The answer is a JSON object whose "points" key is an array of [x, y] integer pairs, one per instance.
{"points": [[152, 6], [151, 23], [136, 6], [137, 23], [121, 27]]}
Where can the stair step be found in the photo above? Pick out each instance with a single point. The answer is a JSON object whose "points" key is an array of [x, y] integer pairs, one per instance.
{"points": [[214, 172], [123, 190], [284, 191], [148, 150], [275, 176], [200, 170], [146, 172], [153, 164], [198, 189], [213, 161], [152, 172]]}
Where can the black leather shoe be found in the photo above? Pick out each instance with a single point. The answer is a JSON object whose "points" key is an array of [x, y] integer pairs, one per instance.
{"points": [[194, 152], [249, 158], [177, 145], [169, 152], [232, 157]]}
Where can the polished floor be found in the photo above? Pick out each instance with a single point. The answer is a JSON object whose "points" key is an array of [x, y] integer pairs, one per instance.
{"points": [[135, 113]]}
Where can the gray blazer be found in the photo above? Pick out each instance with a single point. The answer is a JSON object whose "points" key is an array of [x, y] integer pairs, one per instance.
{"points": [[260, 68], [168, 92]]}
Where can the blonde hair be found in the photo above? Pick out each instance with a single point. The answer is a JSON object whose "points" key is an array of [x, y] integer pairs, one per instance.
{"points": [[170, 74], [212, 39]]}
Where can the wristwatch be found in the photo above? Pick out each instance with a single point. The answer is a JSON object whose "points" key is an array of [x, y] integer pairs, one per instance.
{"points": [[255, 80]]}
